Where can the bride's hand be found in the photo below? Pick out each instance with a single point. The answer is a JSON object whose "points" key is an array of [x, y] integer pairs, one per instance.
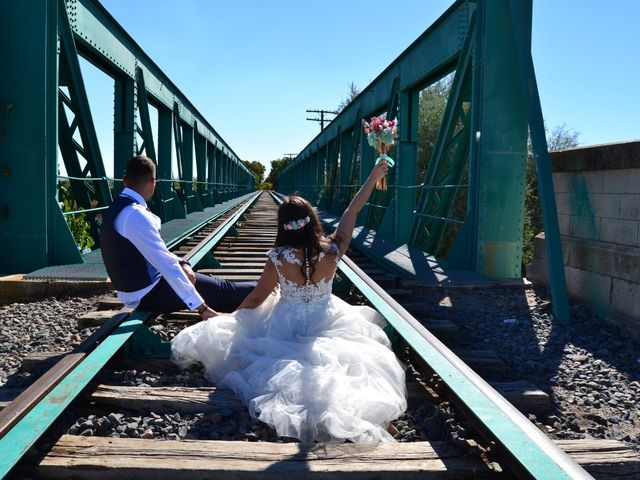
{"points": [[380, 170]]}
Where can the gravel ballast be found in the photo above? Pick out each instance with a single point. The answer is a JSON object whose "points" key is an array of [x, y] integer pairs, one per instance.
{"points": [[590, 369], [44, 326]]}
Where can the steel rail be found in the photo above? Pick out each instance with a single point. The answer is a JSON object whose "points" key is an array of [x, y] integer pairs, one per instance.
{"points": [[529, 452], [194, 228], [17, 441], [29, 415], [198, 252], [13, 412]]}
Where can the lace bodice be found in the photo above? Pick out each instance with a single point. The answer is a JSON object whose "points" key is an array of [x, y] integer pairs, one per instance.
{"points": [[310, 293]]}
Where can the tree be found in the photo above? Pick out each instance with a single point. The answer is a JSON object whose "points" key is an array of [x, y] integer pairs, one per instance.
{"points": [[256, 168], [77, 222], [432, 103], [353, 92], [276, 167], [561, 138]]}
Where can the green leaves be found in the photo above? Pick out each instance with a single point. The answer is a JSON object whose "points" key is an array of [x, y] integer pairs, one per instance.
{"points": [[77, 222]]}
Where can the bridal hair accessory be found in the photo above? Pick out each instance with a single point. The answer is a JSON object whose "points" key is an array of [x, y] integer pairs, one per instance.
{"points": [[296, 224], [381, 135]]}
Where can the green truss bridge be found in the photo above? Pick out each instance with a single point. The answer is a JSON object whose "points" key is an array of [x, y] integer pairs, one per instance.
{"points": [[460, 215]]}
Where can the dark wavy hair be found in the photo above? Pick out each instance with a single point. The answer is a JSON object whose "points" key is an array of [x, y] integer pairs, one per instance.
{"points": [[307, 238]]}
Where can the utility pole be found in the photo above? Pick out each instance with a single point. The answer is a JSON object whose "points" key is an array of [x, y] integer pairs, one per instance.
{"points": [[290, 156], [322, 114]]}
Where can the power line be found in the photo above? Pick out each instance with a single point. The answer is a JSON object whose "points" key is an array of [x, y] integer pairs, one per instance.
{"points": [[290, 156], [322, 114]]}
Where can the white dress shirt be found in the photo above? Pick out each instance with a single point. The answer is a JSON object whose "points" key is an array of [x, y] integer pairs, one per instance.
{"points": [[142, 228]]}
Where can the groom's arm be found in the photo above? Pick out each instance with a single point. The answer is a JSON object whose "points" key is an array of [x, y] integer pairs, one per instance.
{"points": [[141, 228], [268, 281]]}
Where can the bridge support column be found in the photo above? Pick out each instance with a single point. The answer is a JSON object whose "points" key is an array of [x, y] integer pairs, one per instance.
{"points": [[498, 163], [32, 226]]}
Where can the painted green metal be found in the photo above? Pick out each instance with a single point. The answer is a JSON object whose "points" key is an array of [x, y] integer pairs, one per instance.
{"points": [[367, 160], [407, 163], [345, 145], [201, 168], [144, 130], [471, 209], [211, 170], [502, 148], [34, 232], [381, 212], [220, 174], [124, 127], [148, 146], [532, 453], [17, 441], [181, 236], [43, 107], [223, 230], [422, 62], [190, 198], [146, 344], [448, 162], [532, 456], [78, 103], [170, 206], [349, 159], [543, 168]]}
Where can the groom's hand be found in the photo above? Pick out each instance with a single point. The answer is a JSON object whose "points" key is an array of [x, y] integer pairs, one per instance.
{"points": [[208, 313], [189, 273]]}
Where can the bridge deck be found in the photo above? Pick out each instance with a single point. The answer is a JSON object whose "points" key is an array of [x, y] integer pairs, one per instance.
{"points": [[93, 268], [409, 262]]}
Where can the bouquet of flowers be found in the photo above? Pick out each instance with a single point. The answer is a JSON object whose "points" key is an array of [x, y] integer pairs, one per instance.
{"points": [[381, 135]]}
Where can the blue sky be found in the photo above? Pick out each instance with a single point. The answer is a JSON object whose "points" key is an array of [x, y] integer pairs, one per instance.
{"points": [[252, 67]]}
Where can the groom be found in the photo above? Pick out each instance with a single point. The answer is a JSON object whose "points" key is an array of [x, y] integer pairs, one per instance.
{"points": [[145, 274]]}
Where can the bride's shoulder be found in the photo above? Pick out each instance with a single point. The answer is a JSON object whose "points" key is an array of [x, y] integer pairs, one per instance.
{"points": [[274, 255], [283, 252]]}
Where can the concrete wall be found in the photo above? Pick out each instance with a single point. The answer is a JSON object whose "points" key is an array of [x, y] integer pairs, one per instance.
{"points": [[597, 192]]}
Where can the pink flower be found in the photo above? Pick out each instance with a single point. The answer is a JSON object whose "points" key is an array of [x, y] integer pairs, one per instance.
{"points": [[367, 130]]}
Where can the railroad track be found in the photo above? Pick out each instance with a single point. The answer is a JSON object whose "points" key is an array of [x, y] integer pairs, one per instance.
{"points": [[120, 439]]}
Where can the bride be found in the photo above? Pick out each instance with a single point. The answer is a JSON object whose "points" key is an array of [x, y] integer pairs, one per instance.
{"points": [[304, 361]]}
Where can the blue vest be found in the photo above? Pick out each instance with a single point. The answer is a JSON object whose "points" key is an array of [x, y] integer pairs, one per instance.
{"points": [[128, 269]]}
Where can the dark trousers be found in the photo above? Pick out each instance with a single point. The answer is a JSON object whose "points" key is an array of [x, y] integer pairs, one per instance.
{"points": [[221, 295]]}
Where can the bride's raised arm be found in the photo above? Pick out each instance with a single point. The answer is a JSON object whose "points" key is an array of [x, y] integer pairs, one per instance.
{"points": [[348, 219]]}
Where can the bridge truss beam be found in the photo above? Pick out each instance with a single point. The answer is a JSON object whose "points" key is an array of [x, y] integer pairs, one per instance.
{"points": [[44, 109], [468, 210]]}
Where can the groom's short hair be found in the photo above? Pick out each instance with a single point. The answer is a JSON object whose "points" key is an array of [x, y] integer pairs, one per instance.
{"points": [[140, 169]]}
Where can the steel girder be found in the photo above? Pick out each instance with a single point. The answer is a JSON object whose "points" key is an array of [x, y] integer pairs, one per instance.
{"points": [[471, 201], [44, 107]]}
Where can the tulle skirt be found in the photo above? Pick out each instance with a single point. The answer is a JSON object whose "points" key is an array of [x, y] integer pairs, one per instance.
{"points": [[317, 372]]}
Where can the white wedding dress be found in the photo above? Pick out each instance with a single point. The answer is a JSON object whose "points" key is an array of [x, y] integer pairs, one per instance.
{"points": [[305, 362]]}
